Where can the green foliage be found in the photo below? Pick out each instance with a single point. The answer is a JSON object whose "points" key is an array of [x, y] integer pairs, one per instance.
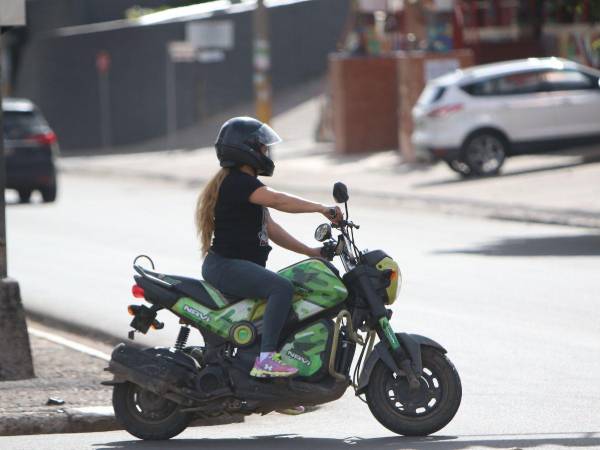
{"points": [[573, 10]]}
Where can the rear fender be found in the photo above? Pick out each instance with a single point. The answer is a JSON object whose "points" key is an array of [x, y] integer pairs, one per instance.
{"points": [[412, 343]]}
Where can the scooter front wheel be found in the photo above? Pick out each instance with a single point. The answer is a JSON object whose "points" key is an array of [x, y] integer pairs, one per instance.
{"points": [[420, 412], [146, 415]]}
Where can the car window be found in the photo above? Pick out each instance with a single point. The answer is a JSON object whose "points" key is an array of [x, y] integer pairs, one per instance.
{"points": [[512, 84], [567, 80], [19, 124], [431, 94]]}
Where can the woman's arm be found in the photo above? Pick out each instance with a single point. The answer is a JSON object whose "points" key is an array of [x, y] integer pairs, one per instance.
{"points": [[284, 239], [281, 201]]}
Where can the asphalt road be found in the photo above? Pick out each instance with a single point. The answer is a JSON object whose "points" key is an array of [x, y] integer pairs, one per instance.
{"points": [[514, 304]]}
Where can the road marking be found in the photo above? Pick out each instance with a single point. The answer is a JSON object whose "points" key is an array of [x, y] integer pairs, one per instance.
{"points": [[69, 343]]}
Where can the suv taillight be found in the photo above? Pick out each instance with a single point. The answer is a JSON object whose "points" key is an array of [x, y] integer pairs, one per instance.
{"points": [[48, 138], [443, 111]]}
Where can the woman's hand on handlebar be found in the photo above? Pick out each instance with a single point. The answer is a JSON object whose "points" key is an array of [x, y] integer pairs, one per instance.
{"points": [[332, 213]]}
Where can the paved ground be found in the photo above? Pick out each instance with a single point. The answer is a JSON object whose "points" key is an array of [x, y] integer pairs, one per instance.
{"points": [[560, 188], [65, 395], [300, 433], [61, 373], [514, 303]]}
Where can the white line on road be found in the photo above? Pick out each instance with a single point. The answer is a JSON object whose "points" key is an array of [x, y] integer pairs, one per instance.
{"points": [[69, 343]]}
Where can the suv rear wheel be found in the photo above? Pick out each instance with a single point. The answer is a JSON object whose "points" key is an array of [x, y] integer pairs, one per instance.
{"points": [[484, 153], [48, 193]]}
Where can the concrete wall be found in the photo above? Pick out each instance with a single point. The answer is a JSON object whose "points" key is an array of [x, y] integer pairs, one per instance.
{"points": [[59, 72]]}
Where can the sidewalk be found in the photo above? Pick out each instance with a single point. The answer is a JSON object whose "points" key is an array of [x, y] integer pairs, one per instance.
{"points": [[557, 188], [66, 395]]}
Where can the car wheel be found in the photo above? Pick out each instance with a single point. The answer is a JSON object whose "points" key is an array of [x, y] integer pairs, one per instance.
{"points": [[484, 153], [48, 193], [24, 195]]}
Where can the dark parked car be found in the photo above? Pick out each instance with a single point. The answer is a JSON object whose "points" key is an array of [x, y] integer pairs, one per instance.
{"points": [[31, 148]]}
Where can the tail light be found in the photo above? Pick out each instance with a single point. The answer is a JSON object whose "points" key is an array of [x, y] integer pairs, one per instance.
{"points": [[443, 111], [137, 291], [48, 138]]}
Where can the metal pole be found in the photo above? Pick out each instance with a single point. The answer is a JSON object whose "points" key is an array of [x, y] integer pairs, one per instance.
{"points": [[171, 99], [262, 63], [3, 263]]}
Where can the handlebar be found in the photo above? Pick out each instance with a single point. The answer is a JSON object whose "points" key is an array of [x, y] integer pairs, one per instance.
{"points": [[345, 223]]}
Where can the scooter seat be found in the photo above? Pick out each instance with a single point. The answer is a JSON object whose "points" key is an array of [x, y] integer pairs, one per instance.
{"points": [[196, 290], [199, 291]]}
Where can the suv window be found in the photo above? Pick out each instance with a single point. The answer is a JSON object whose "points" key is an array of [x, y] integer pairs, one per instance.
{"points": [[567, 80], [512, 84], [20, 124], [431, 94]]}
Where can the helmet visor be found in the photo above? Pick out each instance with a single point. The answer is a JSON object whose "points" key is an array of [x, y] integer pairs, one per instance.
{"points": [[266, 135]]}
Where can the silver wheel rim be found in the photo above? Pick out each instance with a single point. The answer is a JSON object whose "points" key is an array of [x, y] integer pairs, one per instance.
{"points": [[486, 153]]}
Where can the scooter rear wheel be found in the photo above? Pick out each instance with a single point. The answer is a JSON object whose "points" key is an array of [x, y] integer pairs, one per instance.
{"points": [[418, 413], [147, 415]]}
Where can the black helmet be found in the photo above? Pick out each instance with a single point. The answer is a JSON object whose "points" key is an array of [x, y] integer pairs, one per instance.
{"points": [[239, 142]]}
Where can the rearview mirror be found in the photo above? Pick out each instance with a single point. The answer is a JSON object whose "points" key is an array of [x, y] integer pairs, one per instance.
{"points": [[340, 192]]}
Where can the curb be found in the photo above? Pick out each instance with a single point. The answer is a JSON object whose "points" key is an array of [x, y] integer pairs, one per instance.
{"points": [[81, 420], [488, 210], [68, 420]]}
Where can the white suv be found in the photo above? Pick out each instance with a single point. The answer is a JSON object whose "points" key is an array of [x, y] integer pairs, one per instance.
{"points": [[474, 118]]}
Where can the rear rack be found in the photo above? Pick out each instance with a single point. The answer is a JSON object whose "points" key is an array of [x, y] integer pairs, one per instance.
{"points": [[148, 274]]}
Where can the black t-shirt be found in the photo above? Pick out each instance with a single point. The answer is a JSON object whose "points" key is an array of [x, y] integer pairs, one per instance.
{"points": [[240, 226]]}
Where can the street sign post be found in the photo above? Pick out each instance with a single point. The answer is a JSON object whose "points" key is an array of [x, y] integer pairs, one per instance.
{"points": [[15, 351], [177, 52]]}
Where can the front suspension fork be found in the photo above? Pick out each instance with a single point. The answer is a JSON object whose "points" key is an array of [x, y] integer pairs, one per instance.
{"points": [[401, 360], [404, 363]]}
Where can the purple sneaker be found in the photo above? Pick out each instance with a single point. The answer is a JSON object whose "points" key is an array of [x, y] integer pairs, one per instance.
{"points": [[272, 366]]}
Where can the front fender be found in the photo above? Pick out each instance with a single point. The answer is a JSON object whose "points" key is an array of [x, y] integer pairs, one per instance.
{"points": [[412, 344]]}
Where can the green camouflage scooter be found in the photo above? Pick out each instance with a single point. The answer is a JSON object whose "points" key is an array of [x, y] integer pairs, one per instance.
{"points": [[409, 384]]}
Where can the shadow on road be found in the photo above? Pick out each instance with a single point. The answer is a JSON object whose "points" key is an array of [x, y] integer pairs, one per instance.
{"points": [[292, 442], [592, 157], [581, 245]]}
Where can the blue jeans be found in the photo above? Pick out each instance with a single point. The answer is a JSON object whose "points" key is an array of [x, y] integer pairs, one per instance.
{"points": [[246, 279]]}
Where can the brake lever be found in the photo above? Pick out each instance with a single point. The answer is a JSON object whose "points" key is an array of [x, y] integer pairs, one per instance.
{"points": [[345, 223]]}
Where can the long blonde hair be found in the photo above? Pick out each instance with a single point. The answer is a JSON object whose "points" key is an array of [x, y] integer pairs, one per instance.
{"points": [[205, 209]]}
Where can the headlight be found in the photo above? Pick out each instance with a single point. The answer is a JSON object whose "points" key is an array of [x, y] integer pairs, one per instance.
{"points": [[395, 277]]}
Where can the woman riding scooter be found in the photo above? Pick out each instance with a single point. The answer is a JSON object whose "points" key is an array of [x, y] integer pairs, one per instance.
{"points": [[235, 227]]}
